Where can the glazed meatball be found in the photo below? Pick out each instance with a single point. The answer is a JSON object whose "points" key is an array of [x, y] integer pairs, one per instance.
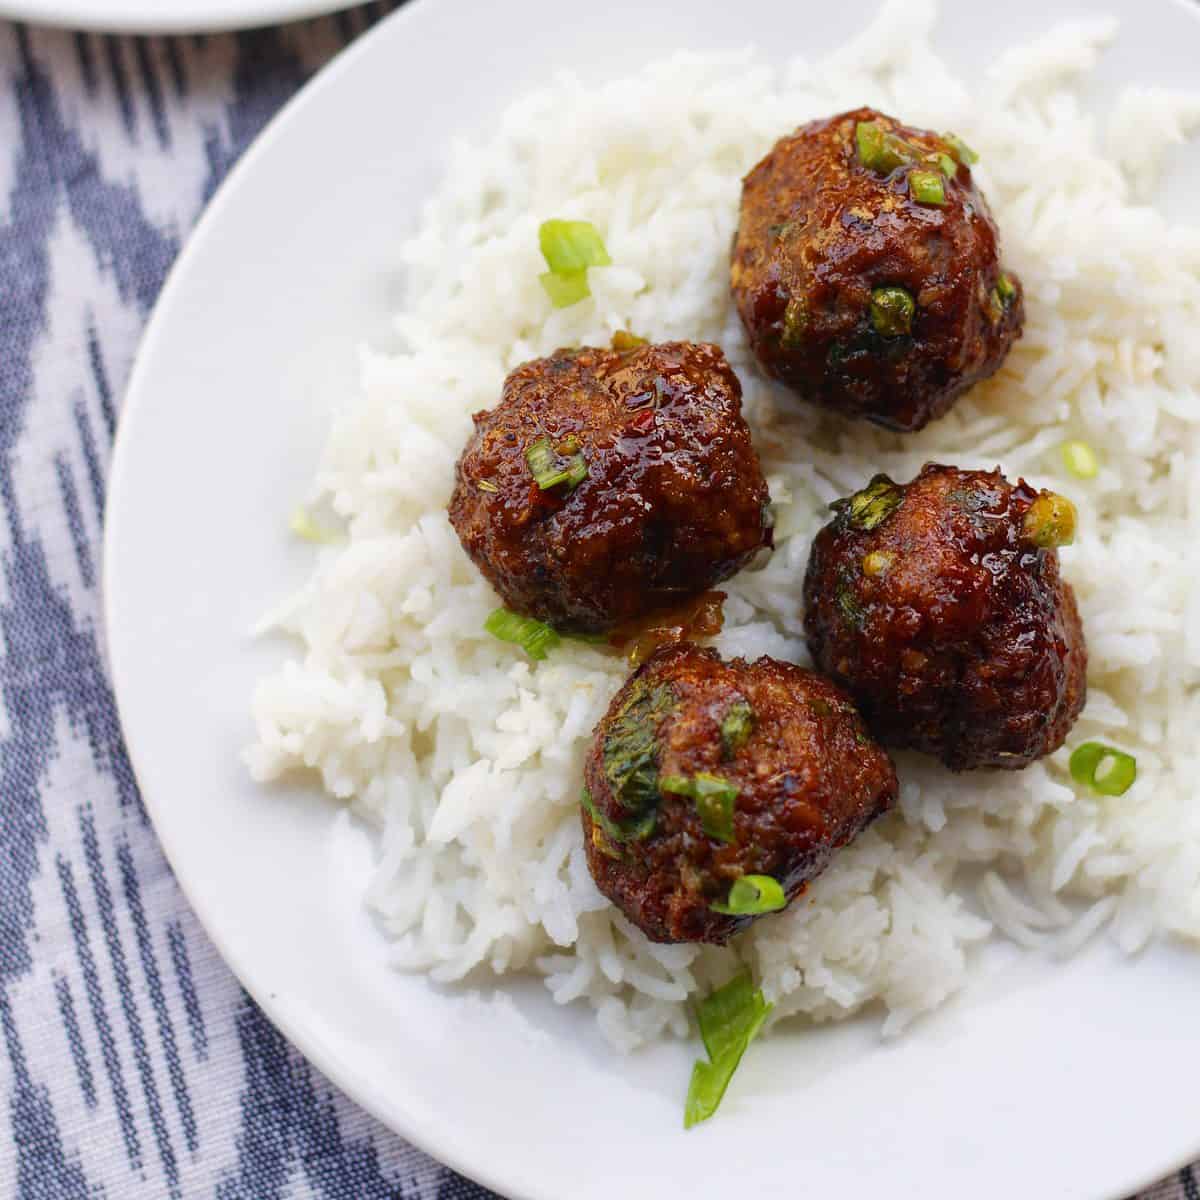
{"points": [[705, 773], [866, 270], [939, 607], [611, 483]]}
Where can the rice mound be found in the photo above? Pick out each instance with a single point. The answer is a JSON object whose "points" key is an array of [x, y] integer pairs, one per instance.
{"points": [[467, 759]]}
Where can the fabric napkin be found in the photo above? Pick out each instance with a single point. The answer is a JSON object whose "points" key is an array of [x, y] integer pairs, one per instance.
{"points": [[133, 1064]]}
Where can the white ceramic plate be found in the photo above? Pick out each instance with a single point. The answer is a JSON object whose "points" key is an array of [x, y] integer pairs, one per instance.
{"points": [[1060, 1081], [165, 16]]}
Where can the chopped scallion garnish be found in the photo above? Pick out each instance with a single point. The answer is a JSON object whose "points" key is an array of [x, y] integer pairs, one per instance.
{"points": [[536, 638], [1103, 769], [303, 526], [948, 165], [960, 149], [1006, 288], [729, 1020], [569, 248], [486, 485], [1050, 521], [539, 456], [566, 289], [1080, 459], [892, 311], [927, 187], [544, 466], [714, 797], [572, 246], [751, 896], [879, 150], [736, 727]]}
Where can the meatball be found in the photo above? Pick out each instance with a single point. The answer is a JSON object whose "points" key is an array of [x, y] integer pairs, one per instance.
{"points": [[866, 270], [704, 773], [939, 607], [610, 483]]}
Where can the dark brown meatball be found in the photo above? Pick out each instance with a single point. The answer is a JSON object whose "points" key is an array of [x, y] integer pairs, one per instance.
{"points": [[807, 777], [857, 295], [938, 605], [672, 502]]}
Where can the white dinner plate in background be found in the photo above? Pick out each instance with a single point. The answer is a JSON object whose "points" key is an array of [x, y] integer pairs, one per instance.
{"points": [[165, 16]]}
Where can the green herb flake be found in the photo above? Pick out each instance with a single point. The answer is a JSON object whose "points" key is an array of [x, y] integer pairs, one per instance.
{"points": [[869, 508], [630, 754], [715, 799], [730, 1019], [618, 831], [736, 727]]}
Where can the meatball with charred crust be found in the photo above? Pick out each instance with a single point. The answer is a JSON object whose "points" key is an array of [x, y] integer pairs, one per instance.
{"points": [[716, 790], [938, 605], [866, 269], [607, 484]]}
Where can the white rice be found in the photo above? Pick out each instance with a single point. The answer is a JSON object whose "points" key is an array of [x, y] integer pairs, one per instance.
{"points": [[467, 759]]}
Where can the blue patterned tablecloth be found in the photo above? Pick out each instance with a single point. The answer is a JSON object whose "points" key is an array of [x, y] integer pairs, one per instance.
{"points": [[133, 1064]]}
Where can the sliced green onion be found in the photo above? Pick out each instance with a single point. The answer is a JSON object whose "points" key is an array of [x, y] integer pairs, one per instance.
{"points": [[960, 149], [892, 311], [486, 485], [729, 1020], [879, 150], [1050, 521], [539, 457], [751, 896], [1006, 289], [1103, 769], [736, 728], [536, 638], [569, 246], [576, 471], [543, 465], [869, 508], [714, 797], [948, 165], [1080, 459], [567, 288], [303, 526], [927, 187]]}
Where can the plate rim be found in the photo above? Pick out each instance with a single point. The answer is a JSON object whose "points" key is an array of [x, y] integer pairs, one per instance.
{"points": [[134, 398]]}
